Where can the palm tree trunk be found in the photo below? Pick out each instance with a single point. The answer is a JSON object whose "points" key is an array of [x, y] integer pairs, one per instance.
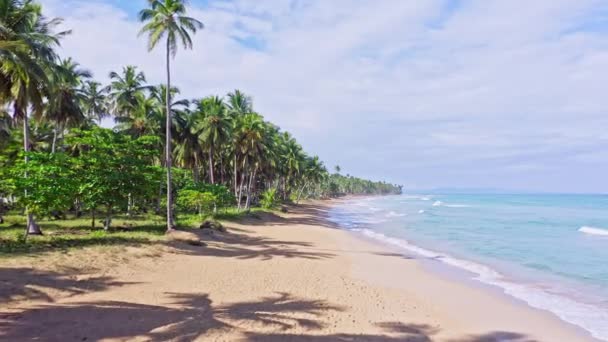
{"points": [[211, 178], [221, 169], [300, 192], [236, 179], [32, 228], [240, 194], [108, 221], [251, 178], [169, 162], [53, 146]]}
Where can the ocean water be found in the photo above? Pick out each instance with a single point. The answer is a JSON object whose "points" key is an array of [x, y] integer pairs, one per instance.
{"points": [[550, 251]]}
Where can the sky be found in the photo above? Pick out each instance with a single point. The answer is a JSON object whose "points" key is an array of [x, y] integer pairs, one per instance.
{"points": [[502, 94]]}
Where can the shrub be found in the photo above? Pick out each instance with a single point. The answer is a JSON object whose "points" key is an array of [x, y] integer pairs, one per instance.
{"points": [[269, 199]]}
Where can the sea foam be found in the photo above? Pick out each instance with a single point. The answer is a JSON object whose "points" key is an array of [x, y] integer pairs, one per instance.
{"points": [[394, 214], [587, 316], [594, 231]]}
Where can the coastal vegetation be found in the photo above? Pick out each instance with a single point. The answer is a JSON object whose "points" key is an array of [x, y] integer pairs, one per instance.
{"points": [[211, 155]]}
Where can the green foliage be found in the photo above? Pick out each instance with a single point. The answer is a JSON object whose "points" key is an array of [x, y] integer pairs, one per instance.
{"points": [[269, 199], [44, 184], [196, 201], [111, 167]]}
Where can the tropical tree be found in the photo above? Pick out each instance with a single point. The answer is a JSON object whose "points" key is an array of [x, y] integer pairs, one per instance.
{"points": [[166, 19], [215, 127], [95, 101], [28, 51], [64, 105], [251, 144], [124, 88], [144, 117]]}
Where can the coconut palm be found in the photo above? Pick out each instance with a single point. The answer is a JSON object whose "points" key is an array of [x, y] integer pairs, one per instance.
{"points": [[64, 106], [124, 88], [23, 82], [251, 144], [166, 19], [238, 103], [95, 101], [215, 127], [144, 117]]}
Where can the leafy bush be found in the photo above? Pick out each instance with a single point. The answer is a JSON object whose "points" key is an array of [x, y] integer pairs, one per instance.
{"points": [[196, 201], [269, 199]]}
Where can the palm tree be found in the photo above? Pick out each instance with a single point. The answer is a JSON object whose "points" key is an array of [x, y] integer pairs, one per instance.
{"points": [[188, 145], [95, 101], [238, 105], [23, 62], [144, 117], [124, 88], [166, 19], [314, 173], [251, 143], [215, 129], [64, 107]]}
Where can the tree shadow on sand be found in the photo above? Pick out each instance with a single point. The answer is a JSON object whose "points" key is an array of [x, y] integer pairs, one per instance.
{"points": [[185, 318], [300, 214], [244, 247], [188, 317], [25, 283]]}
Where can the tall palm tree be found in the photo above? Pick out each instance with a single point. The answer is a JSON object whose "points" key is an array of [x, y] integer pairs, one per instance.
{"points": [[166, 19], [238, 105], [251, 143], [95, 101], [23, 82], [215, 129], [124, 88], [189, 150], [64, 106]]}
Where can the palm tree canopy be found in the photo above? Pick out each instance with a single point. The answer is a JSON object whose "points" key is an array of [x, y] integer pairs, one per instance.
{"points": [[95, 100], [124, 88], [166, 18], [25, 56]]}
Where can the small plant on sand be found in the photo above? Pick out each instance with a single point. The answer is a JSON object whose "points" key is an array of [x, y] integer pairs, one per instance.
{"points": [[269, 199]]}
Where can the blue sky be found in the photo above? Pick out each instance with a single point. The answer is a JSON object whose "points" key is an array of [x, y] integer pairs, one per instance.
{"points": [[475, 94]]}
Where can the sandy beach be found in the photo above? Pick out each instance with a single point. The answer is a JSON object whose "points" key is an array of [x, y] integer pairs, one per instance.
{"points": [[294, 277]]}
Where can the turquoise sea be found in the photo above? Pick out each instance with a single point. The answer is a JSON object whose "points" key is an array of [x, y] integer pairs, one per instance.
{"points": [[550, 251]]}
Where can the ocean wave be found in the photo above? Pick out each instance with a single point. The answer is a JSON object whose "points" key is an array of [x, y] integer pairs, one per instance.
{"points": [[441, 204], [586, 316], [594, 231], [394, 214]]}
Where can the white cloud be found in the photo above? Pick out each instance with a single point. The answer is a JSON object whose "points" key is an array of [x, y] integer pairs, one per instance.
{"points": [[502, 88]]}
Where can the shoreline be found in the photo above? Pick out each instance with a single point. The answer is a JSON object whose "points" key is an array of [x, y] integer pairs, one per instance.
{"points": [[465, 277], [293, 277]]}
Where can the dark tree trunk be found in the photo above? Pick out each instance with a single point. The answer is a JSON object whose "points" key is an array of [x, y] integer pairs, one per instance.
{"points": [[93, 218]]}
